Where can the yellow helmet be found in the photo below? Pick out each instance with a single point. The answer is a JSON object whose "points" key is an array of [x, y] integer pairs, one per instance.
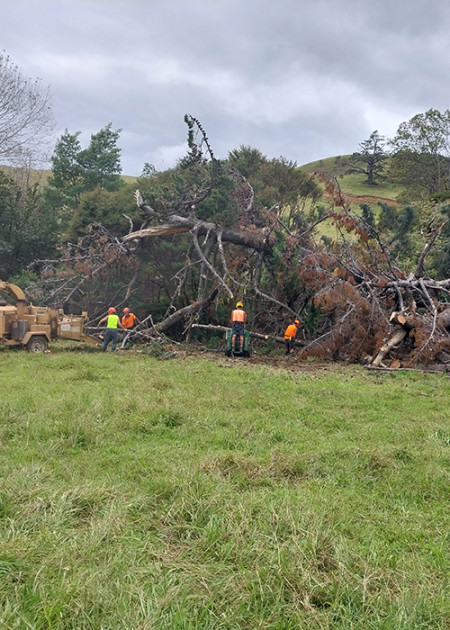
{"points": [[239, 304]]}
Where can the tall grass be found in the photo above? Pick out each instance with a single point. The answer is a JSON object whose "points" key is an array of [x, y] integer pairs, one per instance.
{"points": [[189, 494]]}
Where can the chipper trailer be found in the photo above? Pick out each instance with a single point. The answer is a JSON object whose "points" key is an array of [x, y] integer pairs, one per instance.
{"points": [[34, 327]]}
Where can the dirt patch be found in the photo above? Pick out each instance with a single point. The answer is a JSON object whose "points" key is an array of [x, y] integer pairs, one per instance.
{"points": [[277, 362], [293, 363], [370, 200]]}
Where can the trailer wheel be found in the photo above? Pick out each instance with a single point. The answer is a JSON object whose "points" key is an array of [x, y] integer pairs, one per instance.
{"points": [[37, 344]]}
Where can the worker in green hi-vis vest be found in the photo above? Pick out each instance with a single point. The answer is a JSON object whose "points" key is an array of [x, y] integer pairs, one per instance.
{"points": [[112, 322]]}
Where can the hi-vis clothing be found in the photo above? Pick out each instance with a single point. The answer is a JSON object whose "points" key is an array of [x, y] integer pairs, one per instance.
{"points": [[289, 338], [112, 321], [128, 321], [111, 334], [290, 332], [238, 315]]}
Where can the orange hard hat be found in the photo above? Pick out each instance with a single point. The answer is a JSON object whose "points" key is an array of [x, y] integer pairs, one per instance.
{"points": [[111, 310], [297, 323], [126, 310]]}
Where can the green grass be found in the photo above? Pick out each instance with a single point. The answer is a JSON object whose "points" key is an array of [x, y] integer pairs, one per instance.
{"points": [[354, 184], [189, 494]]}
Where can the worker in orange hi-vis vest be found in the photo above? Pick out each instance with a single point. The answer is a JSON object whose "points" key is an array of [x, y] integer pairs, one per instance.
{"points": [[289, 336], [237, 325], [129, 320]]}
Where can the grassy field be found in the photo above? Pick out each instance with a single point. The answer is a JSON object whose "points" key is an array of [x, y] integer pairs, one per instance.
{"points": [[354, 184], [138, 493]]}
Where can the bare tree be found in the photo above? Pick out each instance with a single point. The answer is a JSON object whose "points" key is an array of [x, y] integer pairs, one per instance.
{"points": [[26, 119]]}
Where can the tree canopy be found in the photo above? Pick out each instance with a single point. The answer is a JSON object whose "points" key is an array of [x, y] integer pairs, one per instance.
{"points": [[370, 159], [76, 172], [421, 159]]}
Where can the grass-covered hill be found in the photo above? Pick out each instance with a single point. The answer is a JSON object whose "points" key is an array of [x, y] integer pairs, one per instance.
{"points": [[354, 185], [196, 494]]}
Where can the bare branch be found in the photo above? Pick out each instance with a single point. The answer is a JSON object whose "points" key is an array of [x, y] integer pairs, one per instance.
{"points": [[208, 264], [420, 269]]}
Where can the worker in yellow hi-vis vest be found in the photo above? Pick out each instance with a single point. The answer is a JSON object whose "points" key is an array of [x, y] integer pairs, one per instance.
{"points": [[112, 322]]}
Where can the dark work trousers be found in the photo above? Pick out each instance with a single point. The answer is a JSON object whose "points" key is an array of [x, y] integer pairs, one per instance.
{"points": [[111, 334], [289, 345]]}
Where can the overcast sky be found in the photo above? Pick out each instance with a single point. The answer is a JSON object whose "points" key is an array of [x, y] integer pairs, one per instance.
{"points": [[302, 79]]}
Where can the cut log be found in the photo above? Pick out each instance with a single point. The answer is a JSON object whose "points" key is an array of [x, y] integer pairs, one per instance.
{"points": [[181, 314], [395, 364], [252, 334], [396, 338], [397, 317]]}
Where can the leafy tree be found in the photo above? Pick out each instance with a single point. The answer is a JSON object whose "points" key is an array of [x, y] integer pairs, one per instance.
{"points": [[370, 159], [101, 160], [421, 159], [221, 205], [441, 257], [67, 173], [398, 223], [395, 226], [27, 226], [103, 207], [367, 214], [281, 185], [246, 160], [26, 120], [148, 171], [76, 172]]}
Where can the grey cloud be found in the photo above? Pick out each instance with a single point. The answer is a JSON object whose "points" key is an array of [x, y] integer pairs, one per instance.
{"points": [[295, 78]]}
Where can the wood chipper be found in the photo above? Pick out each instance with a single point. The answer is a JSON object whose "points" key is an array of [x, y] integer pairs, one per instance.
{"points": [[237, 351], [33, 327]]}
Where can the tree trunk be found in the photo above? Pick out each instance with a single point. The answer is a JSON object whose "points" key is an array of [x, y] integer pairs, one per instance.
{"points": [[252, 334], [396, 338], [180, 315], [258, 239]]}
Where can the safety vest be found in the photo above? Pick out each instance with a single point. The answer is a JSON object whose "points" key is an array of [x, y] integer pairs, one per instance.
{"points": [[238, 315], [113, 321], [291, 331], [129, 320]]}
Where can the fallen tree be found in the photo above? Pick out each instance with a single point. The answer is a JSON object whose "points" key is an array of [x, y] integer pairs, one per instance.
{"points": [[344, 290], [254, 335]]}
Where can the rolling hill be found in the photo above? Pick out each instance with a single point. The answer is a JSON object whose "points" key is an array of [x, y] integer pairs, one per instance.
{"points": [[354, 186]]}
